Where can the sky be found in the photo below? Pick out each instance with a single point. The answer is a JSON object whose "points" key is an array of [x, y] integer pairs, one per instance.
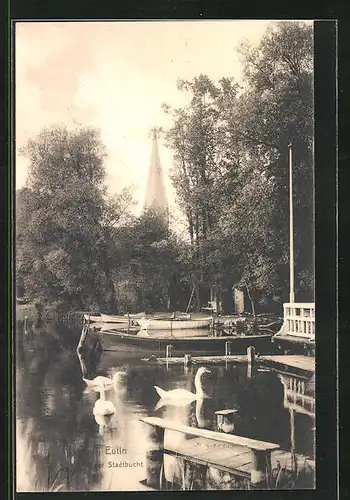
{"points": [[115, 76]]}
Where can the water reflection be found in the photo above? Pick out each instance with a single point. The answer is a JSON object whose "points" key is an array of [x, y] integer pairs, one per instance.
{"points": [[64, 443]]}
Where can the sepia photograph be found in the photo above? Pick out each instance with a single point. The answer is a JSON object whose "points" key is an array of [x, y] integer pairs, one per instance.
{"points": [[164, 273]]}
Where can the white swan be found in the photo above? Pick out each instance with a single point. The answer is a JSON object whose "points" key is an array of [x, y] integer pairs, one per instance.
{"points": [[102, 406], [181, 397], [105, 382]]}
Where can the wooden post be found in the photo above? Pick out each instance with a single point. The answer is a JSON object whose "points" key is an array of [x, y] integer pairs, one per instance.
{"points": [[261, 463], [291, 230], [225, 420], [228, 346], [83, 339], [128, 323], [169, 351], [154, 458], [25, 325], [251, 368], [292, 436], [251, 355], [187, 359]]}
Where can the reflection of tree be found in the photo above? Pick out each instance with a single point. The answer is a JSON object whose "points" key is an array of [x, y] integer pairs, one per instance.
{"points": [[49, 389]]}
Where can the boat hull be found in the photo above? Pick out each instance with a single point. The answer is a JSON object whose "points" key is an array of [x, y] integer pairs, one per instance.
{"points": [[111, 318], [154, 344], [177, 324], [92, 318]]}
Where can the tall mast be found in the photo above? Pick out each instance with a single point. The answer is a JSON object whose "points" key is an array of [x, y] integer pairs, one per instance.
{"points": [[291, 229]]}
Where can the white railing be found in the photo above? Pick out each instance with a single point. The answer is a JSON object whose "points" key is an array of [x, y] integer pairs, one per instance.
{"points": [[299, 319], [295, 396]]}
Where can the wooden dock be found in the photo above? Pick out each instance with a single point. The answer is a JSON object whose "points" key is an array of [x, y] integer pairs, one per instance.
{"points": [[236, 460], [304, 363], [210, 360], [247, 458]]}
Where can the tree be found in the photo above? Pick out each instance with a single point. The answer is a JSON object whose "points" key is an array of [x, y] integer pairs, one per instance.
{"points": [[201, 172], [276, 109], [230, 147], [64, 221], [151, 265]]}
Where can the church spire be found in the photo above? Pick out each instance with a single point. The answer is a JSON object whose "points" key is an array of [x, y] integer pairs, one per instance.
{"points": [[156, 198]]}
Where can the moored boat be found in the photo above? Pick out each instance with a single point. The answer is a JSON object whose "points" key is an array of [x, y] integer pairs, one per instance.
{"points": [[183, 342], [92, 318], [174, 324], [112, 318]]}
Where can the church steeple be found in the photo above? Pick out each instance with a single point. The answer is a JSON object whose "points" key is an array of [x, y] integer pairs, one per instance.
{"points": [[156, 198]]}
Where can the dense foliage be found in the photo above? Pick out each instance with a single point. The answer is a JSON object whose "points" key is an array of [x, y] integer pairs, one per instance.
{"points": [[231, 169], [76, 247]]}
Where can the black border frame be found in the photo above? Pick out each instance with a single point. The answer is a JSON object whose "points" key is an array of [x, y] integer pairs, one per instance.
{"points": [[326, 209]]}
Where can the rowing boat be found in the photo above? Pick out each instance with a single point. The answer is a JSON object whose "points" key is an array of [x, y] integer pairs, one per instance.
{"points": [[112, 318], [182, 341], [174, 324], [91, 318]]}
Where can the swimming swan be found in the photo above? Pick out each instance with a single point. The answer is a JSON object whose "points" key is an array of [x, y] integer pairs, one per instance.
{"points": [[103, 407], [105, 382], [181, 397]]}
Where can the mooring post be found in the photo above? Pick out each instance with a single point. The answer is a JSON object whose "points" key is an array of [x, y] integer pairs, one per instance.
{"points": [[251, 355], [251, 367], [225, 420], [128, 322], [154, 458], [169, 351], [228, 346], [187, 360], [261, 466], [212, 324], [25, 325], [83, 338]]}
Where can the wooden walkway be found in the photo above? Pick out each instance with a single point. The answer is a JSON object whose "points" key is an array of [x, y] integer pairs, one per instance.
{"points": [[212, 360], [234, 459], [241, 456], [305, 363]]}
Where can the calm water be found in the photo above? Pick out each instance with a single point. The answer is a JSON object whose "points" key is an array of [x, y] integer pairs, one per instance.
{"points": [[62, 445]]}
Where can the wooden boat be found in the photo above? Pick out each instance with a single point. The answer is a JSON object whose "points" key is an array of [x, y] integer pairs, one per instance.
{"points": [[92, 318], [111, 318], [183, 341], [174, 324]]}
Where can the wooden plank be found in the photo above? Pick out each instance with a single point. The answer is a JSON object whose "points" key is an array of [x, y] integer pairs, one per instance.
{"points": [[245, 469], [239, 461], [221, 465], [242, 358], [212, 455], [235, 460], [208, 445], [306, 363], [224, 458], [217, 436]]}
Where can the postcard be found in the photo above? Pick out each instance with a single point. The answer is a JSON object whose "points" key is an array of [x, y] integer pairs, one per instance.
{"points": [[165, 300]]}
